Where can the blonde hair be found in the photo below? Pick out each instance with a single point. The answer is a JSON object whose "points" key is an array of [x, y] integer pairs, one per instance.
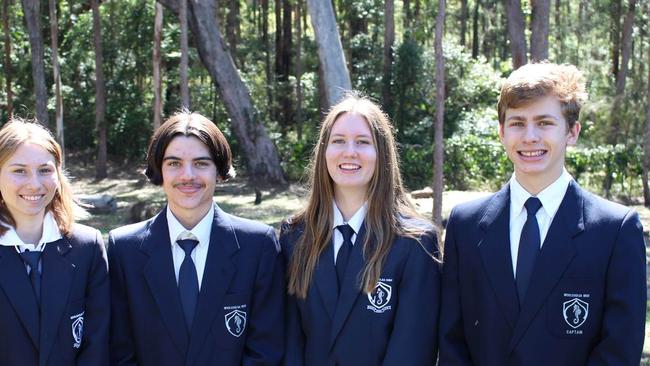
{"points": [[17, 132], [537, 80], [388, 212]]}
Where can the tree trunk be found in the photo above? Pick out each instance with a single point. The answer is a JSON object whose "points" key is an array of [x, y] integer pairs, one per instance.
{"points": [[330, 51], [646, 144], [540, 26], [261, 155], [54, 38], [516, 32], [232, 29], [185, 88], [299, 97], [389, 40], [464, 14], [615, 35], [32, 11], [560, 31], [100, 95], [438, 150], [406, 5], [267, 52], [475, 40], [7, 59], [278, 36], [157, 79], [626, 45]]}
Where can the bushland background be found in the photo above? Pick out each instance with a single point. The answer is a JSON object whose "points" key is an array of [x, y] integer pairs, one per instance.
{"points": [[103, 74]]}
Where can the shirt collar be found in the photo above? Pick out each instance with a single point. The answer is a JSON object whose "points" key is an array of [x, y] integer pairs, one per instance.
{"points": [[201, 231], [551, 197], [50, 234], [355, 221]]}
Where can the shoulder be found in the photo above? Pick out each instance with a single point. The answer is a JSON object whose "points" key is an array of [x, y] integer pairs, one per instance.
{"points": [[473, 210], [599, 211], [247, 226], [84, 234], [130, 233], [251, 234]]}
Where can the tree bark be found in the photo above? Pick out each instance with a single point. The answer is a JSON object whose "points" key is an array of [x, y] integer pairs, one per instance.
{"points": [[32, 11], [540, 27], [406, 5], [101, 171], [438, 144], [299, 97], [516, 32], [261, 155], [615, 35], [646, 144], [267, 52], [7, 59], [54, 38], [157, 79], [232, 29], [389, 40], [330, 52], [185, 89], [464, 14], [475, 40]]}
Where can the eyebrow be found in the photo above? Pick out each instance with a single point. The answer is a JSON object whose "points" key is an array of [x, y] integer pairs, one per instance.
{"points": [[535, 118], [22, 165], [200, 158], [341, 134]]}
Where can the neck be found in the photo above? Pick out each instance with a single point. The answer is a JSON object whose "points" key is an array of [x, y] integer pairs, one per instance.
{"points": [[534, 185], [349, 203], [30, 231], [189, 218]]}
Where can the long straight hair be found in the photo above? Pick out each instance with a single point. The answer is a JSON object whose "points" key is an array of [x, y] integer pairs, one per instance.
{"points": [[17, 132], [388, 207]]}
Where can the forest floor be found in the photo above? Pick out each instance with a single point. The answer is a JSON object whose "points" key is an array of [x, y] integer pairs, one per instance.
{"points": [[129, 186]]}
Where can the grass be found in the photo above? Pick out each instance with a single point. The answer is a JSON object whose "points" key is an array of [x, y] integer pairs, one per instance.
{"points": [[129, 187]]}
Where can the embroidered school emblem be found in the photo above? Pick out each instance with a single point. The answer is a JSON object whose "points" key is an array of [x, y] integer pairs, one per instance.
{"points": [[236, 322], [77, 329], [380, 298], [575, 312]]}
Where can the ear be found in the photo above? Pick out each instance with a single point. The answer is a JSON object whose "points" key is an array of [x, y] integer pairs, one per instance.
{"points": [[573, 133]]}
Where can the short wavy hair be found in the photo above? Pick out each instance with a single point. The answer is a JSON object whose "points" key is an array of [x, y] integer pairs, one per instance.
{"points": [[537, 80]]}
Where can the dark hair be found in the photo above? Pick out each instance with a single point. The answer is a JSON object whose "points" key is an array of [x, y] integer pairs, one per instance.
{"points": [[190, 125]]}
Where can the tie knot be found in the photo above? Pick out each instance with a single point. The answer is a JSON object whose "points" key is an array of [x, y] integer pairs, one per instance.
{"points": [[533, 205], [347, 231], [31, 258], [187, 245]]}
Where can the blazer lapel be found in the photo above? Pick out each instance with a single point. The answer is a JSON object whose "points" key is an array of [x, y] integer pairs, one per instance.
{"points": [[495, 253], [57, 276], [159, 274], [325, 280], [219, 271], [15, 283], [350, 287], [557, 253]]}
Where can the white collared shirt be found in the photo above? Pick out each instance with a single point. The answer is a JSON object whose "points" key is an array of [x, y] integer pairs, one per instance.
{"points": [[200, 232], [551, 198], [355, 223], [50, 233]]}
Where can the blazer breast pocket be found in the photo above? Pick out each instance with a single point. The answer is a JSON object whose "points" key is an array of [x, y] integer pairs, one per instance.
{"points": [[235, 314], [574, 308]]}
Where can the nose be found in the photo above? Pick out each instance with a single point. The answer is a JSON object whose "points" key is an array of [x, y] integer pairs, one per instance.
{"points": [[350, 148], [187, 172], [531, 134], [33, 181]]}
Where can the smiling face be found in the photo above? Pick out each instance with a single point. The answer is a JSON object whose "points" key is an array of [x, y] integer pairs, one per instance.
{"points": [[350, 155], [28, 182], [535, 137], [189, 179]]}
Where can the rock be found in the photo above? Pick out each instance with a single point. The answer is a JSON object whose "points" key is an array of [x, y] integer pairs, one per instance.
{"points": [[425, 192], [142, 210], [97, 203]]}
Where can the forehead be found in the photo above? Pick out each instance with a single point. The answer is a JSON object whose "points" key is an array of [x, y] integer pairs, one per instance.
{"points": [[547, 105], [30, 154], [186, 147], [351, 123]]}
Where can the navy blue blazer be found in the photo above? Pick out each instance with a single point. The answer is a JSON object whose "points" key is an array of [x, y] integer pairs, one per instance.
{"points": [[74, 311], [586, 299], [243, 281], [396, 325]]}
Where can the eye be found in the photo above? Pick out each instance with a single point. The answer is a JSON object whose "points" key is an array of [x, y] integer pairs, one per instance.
{"points": [[546, 122], [173, 163], [46, 171], [364, 142], [19, 171], [516, 124], [202, 164], [337, 140]]}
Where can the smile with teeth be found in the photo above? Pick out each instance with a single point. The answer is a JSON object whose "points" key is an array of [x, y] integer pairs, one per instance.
{"points": [[532, 154], [32, 198], [349, 167]]}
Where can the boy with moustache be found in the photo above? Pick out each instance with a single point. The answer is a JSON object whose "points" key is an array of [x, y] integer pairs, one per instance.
{"points": [[194, 285], [542, 272]]}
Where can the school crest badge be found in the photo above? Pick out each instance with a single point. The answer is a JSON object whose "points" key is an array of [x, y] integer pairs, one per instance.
{"points": [[77, 329], [236, 322], [380, 298], [575, 312]]}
